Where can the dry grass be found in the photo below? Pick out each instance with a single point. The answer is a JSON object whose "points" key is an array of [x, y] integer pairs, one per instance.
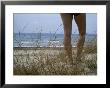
{"points": [[50, 61]]}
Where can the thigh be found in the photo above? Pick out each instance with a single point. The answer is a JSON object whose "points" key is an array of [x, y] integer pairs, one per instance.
{"points": [[81, 23], [66, 18]]}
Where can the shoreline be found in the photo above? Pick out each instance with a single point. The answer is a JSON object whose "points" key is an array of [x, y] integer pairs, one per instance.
{"points": [[40, 48]]}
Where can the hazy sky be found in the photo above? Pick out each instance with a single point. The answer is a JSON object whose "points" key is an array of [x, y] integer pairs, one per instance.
{"points": [[34, 23]]}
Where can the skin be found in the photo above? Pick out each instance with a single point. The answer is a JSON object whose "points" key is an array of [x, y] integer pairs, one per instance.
{"points": [[80, 20]]}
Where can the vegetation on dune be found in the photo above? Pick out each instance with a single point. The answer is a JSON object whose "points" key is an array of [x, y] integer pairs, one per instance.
{"points": [[54, 62]]}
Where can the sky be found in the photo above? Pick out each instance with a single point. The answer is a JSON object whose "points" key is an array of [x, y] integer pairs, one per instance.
{"points": [[49, 23]]}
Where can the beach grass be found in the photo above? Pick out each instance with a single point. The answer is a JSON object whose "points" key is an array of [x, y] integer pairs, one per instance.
{"points": [[53, 61]]}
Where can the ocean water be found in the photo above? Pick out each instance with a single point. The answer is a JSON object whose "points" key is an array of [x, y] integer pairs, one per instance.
{"points": [[46, 39]]}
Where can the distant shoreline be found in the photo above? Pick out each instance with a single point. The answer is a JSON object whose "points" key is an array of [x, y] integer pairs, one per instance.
{"points": [[57, 33], [39, 48]]}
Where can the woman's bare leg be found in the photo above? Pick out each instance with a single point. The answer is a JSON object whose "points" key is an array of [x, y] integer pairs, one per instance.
{"points": [[81, 23], [67, 23]]}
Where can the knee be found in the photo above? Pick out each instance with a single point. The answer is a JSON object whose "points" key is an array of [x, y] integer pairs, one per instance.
{"points": [[67, 40], [68, 36], [82, 36]]}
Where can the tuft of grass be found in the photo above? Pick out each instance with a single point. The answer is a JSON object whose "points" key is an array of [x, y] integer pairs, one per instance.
{"points": [[91, 47]]}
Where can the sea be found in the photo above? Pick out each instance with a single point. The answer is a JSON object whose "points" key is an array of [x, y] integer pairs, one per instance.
{"points": [[47, 39]]}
